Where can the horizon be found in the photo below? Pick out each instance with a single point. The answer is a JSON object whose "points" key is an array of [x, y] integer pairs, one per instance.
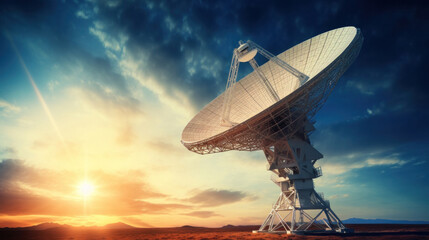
{"points": [[226, 225], [94, 97]]}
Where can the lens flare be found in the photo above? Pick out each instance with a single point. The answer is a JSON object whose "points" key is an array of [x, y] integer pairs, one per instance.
{"points": [[39, 96], [85, 189]]}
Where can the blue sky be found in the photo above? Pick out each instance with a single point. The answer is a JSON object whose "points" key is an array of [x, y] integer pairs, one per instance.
{"points": [[121, 79]]}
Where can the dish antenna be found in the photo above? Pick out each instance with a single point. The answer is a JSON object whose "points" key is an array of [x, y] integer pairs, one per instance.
{"points": [[271, 109], [246, 52]]}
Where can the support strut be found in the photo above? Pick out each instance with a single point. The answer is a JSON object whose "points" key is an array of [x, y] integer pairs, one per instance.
{"points": [[299, 208]]}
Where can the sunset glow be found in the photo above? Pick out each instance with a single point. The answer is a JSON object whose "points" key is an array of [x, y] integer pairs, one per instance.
{"points": [[85, 188]]}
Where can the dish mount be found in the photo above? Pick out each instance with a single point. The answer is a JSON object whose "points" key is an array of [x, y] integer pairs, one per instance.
{"points": [[299, 208]]}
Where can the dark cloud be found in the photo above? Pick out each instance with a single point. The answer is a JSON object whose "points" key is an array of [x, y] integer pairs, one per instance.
{"points": [[371, 133], [179, 50], [391, 63], [202, 214], [32, 10], [215, 197]]}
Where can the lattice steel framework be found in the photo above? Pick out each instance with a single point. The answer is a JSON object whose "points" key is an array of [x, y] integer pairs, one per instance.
{"points": [[299, 208]]}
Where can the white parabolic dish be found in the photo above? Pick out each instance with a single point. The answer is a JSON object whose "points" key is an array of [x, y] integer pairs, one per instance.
{"points": [[323, 58]]}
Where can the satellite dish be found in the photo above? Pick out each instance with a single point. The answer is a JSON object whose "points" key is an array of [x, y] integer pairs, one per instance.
{"points": [[271, 109]]}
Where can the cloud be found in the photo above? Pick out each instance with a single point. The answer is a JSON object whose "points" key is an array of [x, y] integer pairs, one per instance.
{"points": [[370, 134], [340, 167], [7, 108], [338, 196], [120, 112], [25, 190], [378, 162], [7, 150], [202, 214], [127, 136], [397, 72], [215, 197], [419, 163], [181, 49], [82, 14], [73, 66], [33, 11], [165, 147], [104, 89], [107, 41], [383, 138], [185, 65], [169, 59], [88, 78], [146, 207]]}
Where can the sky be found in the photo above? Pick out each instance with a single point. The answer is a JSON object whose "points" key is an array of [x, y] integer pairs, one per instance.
{"points": [[94, 96]]}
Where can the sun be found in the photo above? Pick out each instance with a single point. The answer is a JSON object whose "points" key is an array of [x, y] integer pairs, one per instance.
{"points": [[85, 188]]}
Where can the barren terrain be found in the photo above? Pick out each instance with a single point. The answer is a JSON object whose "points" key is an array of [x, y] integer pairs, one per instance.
{"points": [[362, 231]]}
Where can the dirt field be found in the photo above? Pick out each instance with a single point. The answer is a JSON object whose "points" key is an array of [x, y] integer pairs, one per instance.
{"points": [[362, 231]]}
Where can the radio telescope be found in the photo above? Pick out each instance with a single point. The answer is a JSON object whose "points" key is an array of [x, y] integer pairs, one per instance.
{"points": [[271, 109]]}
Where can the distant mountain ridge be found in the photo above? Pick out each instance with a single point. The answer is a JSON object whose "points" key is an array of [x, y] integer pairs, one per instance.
{"points": [[381, 221], [44, 226], [51, 225], [118, 225]]}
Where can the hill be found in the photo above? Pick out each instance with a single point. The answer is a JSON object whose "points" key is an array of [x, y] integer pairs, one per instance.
{"points": [[51, 225], [118, 225]]}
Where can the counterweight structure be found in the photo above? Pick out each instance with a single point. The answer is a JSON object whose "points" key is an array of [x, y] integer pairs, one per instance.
{"points": [[271, 110]]}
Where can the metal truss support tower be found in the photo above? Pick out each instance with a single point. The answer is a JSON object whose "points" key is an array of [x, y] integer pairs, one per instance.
{"points": [[299, 208]]}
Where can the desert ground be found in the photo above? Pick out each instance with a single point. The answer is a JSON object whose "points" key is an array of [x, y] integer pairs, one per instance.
{"points": [[362, 231]]}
